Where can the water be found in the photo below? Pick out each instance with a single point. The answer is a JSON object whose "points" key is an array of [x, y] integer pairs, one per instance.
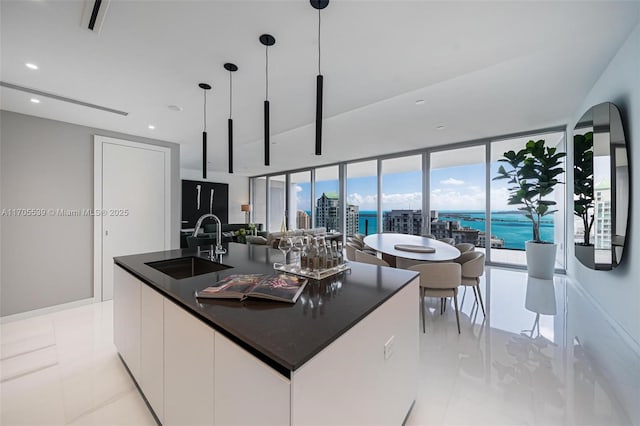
{"points": [[513, 228], [368, 222]]}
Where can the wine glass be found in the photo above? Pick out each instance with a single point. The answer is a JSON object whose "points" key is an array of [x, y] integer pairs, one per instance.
{"points": [[285, 245]]}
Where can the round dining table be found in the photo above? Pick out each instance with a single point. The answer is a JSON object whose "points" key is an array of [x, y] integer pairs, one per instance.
{"points": [[386, 244]]}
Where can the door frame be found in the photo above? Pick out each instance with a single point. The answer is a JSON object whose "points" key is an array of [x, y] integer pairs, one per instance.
{"points": [[98, 144]]}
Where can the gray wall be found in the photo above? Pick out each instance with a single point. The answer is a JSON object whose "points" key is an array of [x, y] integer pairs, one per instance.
{"points": [[47, 164], [617, 292]]}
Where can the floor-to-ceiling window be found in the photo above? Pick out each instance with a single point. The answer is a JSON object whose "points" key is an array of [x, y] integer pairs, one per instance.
{"points": [[259, 201], [461, 197], [277, 203], [402, 195], [361, 210], [300, 200], [327, 198], [510, 228], [457, 196]]}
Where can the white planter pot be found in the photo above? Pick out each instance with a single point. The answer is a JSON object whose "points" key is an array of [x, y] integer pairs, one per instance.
{"points": [[541, 259]]}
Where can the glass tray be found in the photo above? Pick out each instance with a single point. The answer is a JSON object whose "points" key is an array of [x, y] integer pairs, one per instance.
{"points": [[316, 275]]}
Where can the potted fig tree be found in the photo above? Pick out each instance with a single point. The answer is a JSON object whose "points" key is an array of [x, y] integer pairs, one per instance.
{"points": [[533, 174]]}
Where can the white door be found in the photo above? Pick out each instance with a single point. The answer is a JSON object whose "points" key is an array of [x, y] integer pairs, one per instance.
{"points": [[135, 193]]}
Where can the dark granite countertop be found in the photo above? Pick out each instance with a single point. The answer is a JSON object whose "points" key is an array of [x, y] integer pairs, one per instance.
{"points": [[281, 334]]}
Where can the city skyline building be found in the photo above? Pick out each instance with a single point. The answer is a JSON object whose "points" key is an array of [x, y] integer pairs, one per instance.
{"points": [[303, 220], [403, 221]]}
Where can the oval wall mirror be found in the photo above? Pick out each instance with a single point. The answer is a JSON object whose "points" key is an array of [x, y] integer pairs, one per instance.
{"points": [[601, 187]]}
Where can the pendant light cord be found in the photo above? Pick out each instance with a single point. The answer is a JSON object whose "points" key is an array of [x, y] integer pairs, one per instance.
{"points": [[266, 72], [205, 110], [319, 22]]}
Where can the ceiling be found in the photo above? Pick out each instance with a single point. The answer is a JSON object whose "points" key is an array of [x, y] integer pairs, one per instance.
{"points": [[482, 68]]}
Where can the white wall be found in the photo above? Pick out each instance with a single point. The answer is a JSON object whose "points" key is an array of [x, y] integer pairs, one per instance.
{"points": [[618, 291], [47, 164], [238, 190]]}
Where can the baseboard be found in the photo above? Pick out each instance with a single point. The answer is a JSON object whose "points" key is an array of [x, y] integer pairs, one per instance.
{"points": [[611, 322], [47, 310]]}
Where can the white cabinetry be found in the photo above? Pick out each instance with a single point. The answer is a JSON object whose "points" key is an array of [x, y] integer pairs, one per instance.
{"points": [[188, 368], [192, 375], [152, 349], [367, 376], [248, 392], [126, 318]]}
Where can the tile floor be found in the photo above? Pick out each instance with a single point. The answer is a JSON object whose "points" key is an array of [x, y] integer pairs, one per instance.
{"points": [[522, 364]]}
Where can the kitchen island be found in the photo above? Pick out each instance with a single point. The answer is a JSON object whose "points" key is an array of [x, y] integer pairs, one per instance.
{"points": [[345, 353]]}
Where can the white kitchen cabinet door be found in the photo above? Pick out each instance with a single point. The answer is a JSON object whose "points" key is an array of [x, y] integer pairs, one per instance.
{"points": [[188, 368], [152, 349], [248, 391], [126, 318]]}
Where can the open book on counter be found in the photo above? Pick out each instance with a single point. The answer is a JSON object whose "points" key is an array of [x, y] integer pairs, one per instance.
{"points": [[280, 287]]}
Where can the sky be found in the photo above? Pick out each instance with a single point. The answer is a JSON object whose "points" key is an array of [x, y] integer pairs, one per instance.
{"points": [[452, 188]]}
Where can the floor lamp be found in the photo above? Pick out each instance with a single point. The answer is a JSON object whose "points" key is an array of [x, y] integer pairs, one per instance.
{"points": [[246, 208]]}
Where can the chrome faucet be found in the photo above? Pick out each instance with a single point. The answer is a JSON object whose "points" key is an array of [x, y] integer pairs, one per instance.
{"points": [[219, 248]]}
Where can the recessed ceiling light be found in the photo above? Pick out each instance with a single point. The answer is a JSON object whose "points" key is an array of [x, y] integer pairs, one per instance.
{"points": [[31, 66], [440, 128], [151, 127], [419, 101], [175, 107], [35, 101]]}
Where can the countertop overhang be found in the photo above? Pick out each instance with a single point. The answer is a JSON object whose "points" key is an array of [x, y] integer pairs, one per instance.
{"points": [[283, 335]]}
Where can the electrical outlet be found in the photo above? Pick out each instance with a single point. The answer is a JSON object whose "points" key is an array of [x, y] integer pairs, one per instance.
{"points": [[389, 348]]}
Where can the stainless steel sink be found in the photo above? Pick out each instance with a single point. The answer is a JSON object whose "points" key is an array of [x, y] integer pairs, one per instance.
{"points": [[185, 267]]}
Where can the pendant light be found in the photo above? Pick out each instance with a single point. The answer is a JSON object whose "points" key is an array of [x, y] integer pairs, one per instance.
{"points": [[204, 87], [231, 68], [267, 40], [319, 5]]}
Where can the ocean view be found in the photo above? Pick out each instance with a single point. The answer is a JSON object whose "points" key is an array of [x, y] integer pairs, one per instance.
{"points": [[512, 227]]}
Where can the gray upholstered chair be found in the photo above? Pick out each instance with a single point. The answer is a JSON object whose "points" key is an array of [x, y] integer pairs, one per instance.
{"points": [[433, 237], [449, 241], [472, 268], [364, 257], [355, 241], [359, 237], [350, 250], [439, 280], [404, 263], [465, 247]]}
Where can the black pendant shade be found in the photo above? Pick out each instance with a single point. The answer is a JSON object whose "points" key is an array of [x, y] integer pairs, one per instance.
{"points": [[267, 40], [266, 133], [319, 5], [230, 132], [319, 80], [231, 68], [204, 87]]}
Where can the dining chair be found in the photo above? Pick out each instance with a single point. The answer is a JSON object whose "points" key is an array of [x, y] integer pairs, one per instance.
{"points": [[404, 263], [364, 257], [350, 249], [433, 237], [359, 237], [472, 268], [358, 243], [439, 280], [449, 241], [465, 247]]}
